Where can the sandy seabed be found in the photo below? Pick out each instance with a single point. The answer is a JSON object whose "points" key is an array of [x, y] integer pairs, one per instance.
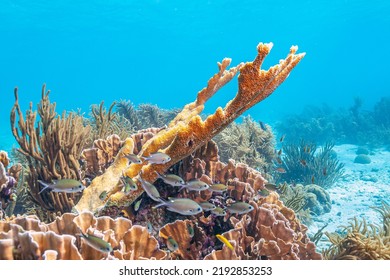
{"points": [[362, 187]]}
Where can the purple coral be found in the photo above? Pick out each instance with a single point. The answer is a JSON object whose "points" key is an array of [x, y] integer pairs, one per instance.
{"points": [[7, 185]]}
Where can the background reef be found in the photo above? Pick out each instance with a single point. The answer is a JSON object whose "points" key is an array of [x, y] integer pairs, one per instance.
{"points": [[352, 125]]}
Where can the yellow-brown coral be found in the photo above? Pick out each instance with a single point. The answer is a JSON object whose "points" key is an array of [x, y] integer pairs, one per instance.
{"points": [[4, 159], [187, 132]]}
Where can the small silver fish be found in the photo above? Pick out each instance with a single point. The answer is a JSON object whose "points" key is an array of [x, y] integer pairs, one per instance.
{"points": [[157, 158], [183, 206], [171, 179], [97, 243], [207, 206], [195, 185], [239, 208], [218, 188], [172, 244], [218, 211], [150, 189], [133, 159], [128, 184], [150, 227], [64, 185]]}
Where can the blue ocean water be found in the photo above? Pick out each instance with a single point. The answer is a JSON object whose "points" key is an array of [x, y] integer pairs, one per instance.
{"points": [[163, 52]]}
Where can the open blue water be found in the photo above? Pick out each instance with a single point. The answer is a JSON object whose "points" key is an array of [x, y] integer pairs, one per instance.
{"points": [[163, 52]]}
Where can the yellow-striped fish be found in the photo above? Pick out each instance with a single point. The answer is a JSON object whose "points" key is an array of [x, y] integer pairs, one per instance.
{"points": [[225, 241]]}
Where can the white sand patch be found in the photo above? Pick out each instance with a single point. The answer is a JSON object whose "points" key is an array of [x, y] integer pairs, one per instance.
{"points": [[363, 186]]}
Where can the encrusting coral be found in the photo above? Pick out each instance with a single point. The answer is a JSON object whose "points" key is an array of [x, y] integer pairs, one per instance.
{"points": [[187, 131]]}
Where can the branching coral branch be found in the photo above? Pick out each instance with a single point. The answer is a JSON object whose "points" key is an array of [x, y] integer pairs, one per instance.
{"points": [[187, 132], [52, 146]]}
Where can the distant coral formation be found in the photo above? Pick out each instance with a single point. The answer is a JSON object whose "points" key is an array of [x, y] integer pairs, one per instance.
{"points": [[321, 124], [305, 163]]}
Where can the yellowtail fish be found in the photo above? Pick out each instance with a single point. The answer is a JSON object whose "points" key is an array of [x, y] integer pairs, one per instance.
{"points": [[195, 185], [280, 152], [324, 171], [207, 206], [282, 138], [157, 158], [97, 243], [225, 241], [133, 158], [128, 184], [191, 231], [171, 179], [218, 211], [303, 162], [150, 189], [279, 160], [312, 179], [218, 188], [137, 205], [172, 244], [64, 185], [103, 195], [183, 206], [240, 208]]}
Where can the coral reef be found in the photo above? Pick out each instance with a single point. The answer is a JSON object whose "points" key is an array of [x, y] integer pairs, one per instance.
{"points": [[321, 124], [52, 146], [362, 159], [318, 200], [29, 238], [248, 143], [362, 151], [187, 132], [360, 242], [145, 116], [107, 122], [302, 163], [257, 226], [271, 231], [9, 182]]}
